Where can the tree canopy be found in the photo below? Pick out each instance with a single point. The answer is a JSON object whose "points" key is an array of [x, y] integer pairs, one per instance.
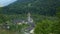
{"points": [[47, 27]]}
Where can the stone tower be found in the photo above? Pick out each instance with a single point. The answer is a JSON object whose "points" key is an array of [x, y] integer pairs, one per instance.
{"points": [[30, 20]]}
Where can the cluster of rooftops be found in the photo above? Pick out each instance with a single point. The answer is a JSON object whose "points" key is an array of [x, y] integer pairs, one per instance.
{"points": [[29, 22]]}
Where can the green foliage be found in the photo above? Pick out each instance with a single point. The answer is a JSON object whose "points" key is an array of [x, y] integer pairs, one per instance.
{"points": [[47, 27], [58, 12], [15, 27], [44, 7], [4, 18]]}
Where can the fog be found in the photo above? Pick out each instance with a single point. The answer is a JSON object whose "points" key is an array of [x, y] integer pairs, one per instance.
{"points": [[6, 2]]}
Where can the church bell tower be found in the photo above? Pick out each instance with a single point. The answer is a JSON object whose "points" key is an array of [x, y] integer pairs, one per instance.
{"points": [[30, 20]]}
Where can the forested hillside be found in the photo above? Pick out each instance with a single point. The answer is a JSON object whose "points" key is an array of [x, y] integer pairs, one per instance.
{"points": [[45, 15], [44, 7]]}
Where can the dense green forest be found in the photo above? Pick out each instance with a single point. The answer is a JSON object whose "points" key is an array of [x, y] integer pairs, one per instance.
{"points": [[46, 15], [44, 7]]}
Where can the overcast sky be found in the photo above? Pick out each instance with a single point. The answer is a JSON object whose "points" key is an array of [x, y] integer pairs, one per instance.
{"points": [[6, 2]]}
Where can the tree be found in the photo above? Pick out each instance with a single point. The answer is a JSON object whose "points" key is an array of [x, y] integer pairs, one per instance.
{"points": [[4, 18], [47, 27], [58, 12]]}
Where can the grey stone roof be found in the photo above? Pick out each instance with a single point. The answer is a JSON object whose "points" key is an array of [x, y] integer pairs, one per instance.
{"points": [[17, 21]]}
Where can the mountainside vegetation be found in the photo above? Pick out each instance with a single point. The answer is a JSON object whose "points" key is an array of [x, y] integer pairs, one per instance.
{"points": [[44, 7], [45, 13]]}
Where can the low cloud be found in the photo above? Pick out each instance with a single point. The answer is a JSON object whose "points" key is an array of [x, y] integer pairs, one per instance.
{"points": [[6, 2]]}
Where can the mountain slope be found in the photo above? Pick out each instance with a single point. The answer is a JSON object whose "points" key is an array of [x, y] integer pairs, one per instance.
{"points": [[44, 7]]}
